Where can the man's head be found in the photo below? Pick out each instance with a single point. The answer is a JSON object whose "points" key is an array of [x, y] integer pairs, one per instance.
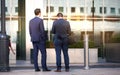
{"points": [[37, 11], [59, 15]]}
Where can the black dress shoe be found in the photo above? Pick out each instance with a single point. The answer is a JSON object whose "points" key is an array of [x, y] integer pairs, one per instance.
{"points": [[37, 70], [46, 70]]}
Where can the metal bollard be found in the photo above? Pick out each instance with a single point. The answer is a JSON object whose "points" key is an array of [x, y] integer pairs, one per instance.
{"points": [[86, 52]]}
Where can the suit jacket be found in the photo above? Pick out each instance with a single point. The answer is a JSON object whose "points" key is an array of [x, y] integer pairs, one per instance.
{"points": [[61, 27], [36, 29]]}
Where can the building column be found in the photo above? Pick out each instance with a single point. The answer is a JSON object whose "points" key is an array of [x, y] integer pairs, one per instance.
{"points": [[21, 36]]}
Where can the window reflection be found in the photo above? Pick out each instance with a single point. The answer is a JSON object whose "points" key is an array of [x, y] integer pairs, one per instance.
{"points": [[106, 18], [103, 21]]}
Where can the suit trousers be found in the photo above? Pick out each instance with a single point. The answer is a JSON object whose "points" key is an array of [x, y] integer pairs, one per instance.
{"points": [[61, 45], [42, 47]]}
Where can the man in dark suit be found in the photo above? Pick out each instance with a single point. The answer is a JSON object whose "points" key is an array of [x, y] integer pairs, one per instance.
{"points": [[37, 33], [61, 29]]}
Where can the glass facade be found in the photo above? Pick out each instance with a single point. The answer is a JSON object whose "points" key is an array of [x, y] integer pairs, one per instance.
{"points": [[100, 19], [76, 11]]}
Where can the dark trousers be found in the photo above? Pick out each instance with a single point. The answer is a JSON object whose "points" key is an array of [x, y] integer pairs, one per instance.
{"points": [[61, 45], [42, 47]]}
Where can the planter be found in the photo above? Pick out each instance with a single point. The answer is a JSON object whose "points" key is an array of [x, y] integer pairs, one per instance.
{"points": [[76, 55]]}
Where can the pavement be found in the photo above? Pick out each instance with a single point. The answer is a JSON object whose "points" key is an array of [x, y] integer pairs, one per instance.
{"points": [[73, 71], [100, 68], [78, 71]]}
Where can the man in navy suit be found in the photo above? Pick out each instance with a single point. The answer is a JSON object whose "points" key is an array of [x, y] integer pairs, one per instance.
{"points": [[61, 30], [37, 33]]}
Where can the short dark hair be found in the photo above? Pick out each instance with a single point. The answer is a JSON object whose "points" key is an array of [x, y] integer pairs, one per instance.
{"points": [[37, 11], [59, 15]]}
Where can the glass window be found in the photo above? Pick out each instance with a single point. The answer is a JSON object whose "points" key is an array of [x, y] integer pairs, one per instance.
{"points": [[6, 9], [82, 9], [73, 9], [16, 9], [79, 14], [119, 10], [60, 9], [101, 10], [105, 10], [51, 9], [112, 10], [108, 35]]}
